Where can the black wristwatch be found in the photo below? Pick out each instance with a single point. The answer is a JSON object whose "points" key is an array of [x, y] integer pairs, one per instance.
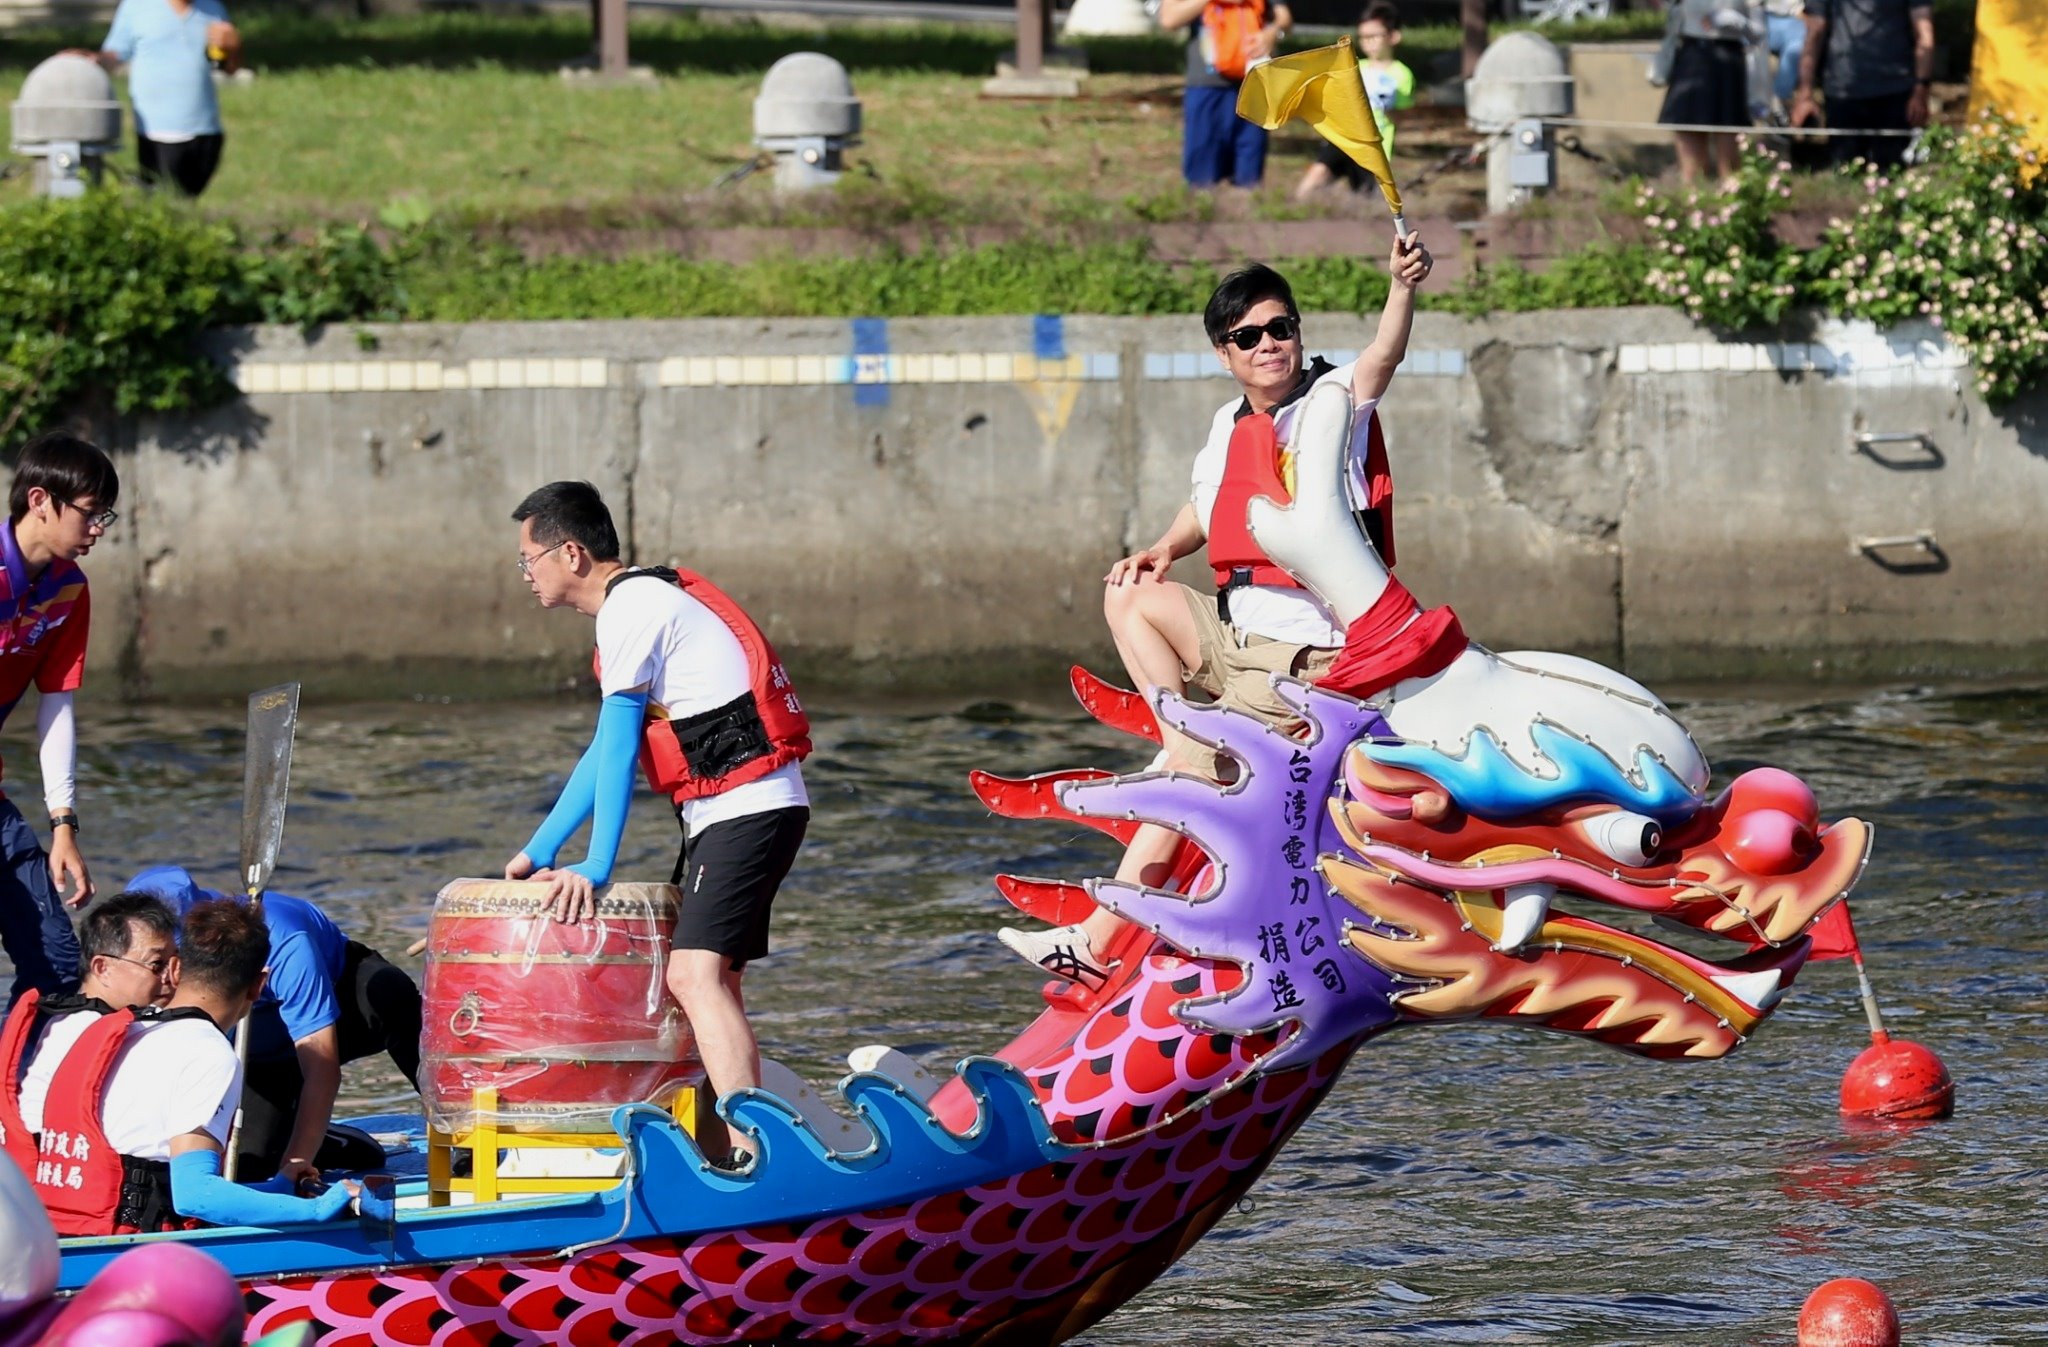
{"points": [[67, 819]]}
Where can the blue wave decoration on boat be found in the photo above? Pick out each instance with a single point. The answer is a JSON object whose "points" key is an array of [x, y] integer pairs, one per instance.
{"points": [[1485, 781], [671, 1190]]}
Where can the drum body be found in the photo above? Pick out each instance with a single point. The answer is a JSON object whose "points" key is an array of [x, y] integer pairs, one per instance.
{"points": [[566, 1021]]}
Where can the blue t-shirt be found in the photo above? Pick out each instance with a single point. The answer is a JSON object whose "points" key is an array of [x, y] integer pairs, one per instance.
{"points": [[170, 81], [306, 955]]}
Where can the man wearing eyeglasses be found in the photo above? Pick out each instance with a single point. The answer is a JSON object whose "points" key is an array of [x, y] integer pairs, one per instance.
{"points": [[131, 961], [696, 695], [1260, 622], [59, 504]]}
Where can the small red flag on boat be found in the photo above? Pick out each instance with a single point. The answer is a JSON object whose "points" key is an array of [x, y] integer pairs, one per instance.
{"points": [[1833, 936]]}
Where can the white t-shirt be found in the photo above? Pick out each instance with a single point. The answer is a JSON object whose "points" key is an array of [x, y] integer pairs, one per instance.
{"points": [[168, 1079], [1279, 612], [651, 634]]}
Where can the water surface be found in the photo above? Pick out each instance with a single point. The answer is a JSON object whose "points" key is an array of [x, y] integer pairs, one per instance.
{"points": [[1464, 1185]]}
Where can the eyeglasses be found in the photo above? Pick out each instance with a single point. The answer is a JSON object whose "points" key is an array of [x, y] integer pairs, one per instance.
{"points": [[157, 967], [525, 564], [99, 519], [1283, 328]]}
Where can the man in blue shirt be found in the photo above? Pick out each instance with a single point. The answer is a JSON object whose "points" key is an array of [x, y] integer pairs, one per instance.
{"points": [[169, 47], [328, 1000]]}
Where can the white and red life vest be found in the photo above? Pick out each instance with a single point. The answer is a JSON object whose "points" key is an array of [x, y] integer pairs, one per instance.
{"points": [[1394, 639], [1251, 468], [87, 1186], [762, 730]]}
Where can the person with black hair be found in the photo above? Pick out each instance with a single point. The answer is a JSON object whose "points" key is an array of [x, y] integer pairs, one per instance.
{"points": [[131, 961], [1874, 61], [1389, 86], [130, 943], [60, 503], [1260, 622], [130, 1134], [692, 690], [328, 1000]]}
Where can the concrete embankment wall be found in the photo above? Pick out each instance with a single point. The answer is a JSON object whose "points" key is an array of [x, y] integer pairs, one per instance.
{"points": [[935, 501]]}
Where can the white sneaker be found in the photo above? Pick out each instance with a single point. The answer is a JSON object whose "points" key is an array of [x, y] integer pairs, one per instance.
{"points": [[1061, 951]]}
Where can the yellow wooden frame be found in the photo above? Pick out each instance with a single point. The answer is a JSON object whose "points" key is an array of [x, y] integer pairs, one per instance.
{"points": [[484, 1138]]}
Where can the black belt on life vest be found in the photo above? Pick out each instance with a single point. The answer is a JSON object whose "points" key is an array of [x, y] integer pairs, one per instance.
{"points": [[146, 1197], [714, 742], [1240, 576]]}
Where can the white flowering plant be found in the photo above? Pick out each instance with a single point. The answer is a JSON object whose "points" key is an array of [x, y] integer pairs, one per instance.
{"points": [[1958, 241], [1716, 254]]}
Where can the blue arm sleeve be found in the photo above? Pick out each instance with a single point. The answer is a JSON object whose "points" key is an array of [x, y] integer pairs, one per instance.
{"points": [[571, 808], [618, 752], [198, 1191]]}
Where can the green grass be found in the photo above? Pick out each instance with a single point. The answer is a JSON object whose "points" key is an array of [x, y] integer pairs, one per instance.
{"points": [[462, 116]]}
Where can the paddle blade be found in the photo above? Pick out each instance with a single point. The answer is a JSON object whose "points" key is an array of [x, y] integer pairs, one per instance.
{"points": [[266, 775], [1323, 88]]}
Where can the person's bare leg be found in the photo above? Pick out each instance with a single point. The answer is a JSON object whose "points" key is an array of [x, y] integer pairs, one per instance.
{"points": [[1692, 155], [708, 989], [1154, 633], [1313, 179], [1147, 861], [1727, 154]]}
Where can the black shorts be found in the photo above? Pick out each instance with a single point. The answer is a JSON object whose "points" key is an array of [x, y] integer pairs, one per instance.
{"points": [[729, 874], [187, 165]]}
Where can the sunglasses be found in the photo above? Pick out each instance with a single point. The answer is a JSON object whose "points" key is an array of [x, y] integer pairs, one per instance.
{"points": [[1282, 328]]}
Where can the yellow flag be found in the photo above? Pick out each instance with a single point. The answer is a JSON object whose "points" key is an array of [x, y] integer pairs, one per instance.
{"points": [[1323, 88], [2003, 76]]}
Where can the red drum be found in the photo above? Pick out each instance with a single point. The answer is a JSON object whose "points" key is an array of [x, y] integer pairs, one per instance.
{"points": [[565, 1021]]}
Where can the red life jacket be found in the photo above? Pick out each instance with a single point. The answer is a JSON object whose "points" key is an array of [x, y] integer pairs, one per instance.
{"points": [[1252, 469], [760, 731], [87, 1186]]}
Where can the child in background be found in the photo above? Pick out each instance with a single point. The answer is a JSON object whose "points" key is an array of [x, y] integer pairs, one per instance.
{"points": [[1388, 84]]}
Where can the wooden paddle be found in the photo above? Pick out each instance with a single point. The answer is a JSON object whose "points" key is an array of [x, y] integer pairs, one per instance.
{"points": [[266, 776]]}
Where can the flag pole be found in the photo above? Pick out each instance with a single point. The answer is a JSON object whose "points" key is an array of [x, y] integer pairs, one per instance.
{"points": [[1401, 229]]}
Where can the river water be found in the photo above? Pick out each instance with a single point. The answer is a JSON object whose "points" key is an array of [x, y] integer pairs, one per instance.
{"points": [[1461, 1185]]}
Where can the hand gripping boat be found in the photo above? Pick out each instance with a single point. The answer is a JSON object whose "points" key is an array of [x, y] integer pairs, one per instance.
{"points": [[1426, 855]]}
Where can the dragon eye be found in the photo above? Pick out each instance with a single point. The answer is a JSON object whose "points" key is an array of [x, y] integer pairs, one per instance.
{"points": [[1632, 839]]}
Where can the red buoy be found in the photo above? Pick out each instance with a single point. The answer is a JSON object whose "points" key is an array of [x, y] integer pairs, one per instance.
{"points": [[1848, 1312], [1899, 1081]]}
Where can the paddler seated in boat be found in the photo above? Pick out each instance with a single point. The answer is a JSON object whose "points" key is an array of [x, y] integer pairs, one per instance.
{"points": [[130, 1132], [1260, 621], [329, 1000], [694, 692], [130, 945]]}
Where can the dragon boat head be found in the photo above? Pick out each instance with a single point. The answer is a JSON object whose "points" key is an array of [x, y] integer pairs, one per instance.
{"points": [[1491, 843], [1465, 857]]}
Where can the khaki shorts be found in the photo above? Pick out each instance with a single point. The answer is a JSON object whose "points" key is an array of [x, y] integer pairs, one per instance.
{"points": [[1240, 677]]}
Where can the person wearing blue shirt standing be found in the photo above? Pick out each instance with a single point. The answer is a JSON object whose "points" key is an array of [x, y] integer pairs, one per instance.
{"points": [[328, 1000], [169, 47]]}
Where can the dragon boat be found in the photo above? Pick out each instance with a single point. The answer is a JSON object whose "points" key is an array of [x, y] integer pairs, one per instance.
{"points": [[1483, 843]]}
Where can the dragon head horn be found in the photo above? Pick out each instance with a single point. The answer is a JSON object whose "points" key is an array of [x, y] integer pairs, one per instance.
{"points": [[1316, 538]]}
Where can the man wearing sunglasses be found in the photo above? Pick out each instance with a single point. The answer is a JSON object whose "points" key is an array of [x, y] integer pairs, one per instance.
{"points": [[59, 504], [1260, 622]]}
